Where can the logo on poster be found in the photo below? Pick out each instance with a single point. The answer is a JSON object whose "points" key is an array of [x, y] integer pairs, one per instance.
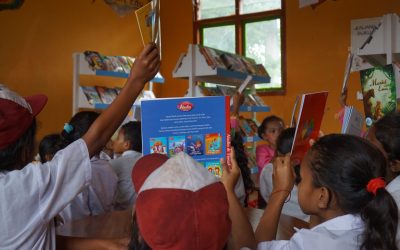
{"points": [[185, 106]]}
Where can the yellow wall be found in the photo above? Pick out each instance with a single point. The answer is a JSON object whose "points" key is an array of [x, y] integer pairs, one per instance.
{"points": [[37, 42], [316, 47], [38, 39]]}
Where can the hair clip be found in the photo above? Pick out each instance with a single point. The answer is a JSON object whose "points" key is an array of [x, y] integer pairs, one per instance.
{"points": [[68, 128]]}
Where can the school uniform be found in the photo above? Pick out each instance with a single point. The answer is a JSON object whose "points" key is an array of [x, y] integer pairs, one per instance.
{"points": [[343, 232], [33, 196], [98, 197], [394, 189], [122, 166], [291, 207]]}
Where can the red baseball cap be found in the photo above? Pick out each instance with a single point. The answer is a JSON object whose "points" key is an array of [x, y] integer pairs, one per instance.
{"points": [[17, 114], [180, 205]]}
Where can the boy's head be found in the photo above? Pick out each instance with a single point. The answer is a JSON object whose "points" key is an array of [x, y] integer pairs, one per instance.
{"points": [[180, 205], [270, 129], [129, 138], [49, 146], [17, 128]]}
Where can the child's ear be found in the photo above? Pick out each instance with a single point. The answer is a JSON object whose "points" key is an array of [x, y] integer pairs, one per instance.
{"points": [[127, 145], [324, 198], [394, 166]]}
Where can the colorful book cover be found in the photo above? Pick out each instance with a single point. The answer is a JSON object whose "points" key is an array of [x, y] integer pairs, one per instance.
{"points": [[91, 94], [245, 127], [195, 145], [107, 95], [379, 92], [198, 125], [157, 145], [176, 144], [311, 111], [94, 60], [214, 167]]}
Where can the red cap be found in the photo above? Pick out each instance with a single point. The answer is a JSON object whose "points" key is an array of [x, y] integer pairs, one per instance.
{"points": [[180, 205], [16, 114]]}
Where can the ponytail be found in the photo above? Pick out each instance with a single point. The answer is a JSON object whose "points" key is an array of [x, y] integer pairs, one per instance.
{"points": [[381, 217]]}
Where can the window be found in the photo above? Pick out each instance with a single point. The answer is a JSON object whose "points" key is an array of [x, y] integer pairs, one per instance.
{"points": [[252, 28]]}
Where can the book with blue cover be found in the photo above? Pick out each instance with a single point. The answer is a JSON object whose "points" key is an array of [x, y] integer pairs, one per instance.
{"points": [[198, 126]]}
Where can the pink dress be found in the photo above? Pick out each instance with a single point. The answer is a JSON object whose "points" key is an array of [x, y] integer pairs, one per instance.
{"points": [[264, 154]]}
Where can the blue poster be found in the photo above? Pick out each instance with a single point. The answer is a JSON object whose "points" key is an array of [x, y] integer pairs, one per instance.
{"points": [[198, 126]]}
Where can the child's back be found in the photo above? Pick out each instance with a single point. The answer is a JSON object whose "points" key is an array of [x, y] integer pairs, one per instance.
{"points": [[129, 145]]}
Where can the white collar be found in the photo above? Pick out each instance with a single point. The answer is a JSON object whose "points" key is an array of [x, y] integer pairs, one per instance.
{"points": [[130, 152], [344, 222], [393, 185]]}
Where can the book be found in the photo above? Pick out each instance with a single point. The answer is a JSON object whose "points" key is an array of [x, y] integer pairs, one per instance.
{"points": [[107, 95], [260, 70], [310, 116], [233, 62], [245, 127], [352, 121], [145, 19], [94, 60], [213, 56], [379, 92], [91, 94], [198, 126]]}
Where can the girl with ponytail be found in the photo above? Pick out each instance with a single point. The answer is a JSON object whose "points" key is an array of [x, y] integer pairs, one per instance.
{"points": [[342, 185]]}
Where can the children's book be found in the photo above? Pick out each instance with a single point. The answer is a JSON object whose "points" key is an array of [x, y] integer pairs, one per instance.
{"points": [[198, 126], [311, 111], [352, 121], [379, 92], [245, 127], [145, 19], [94, 60], [91, 94], [107, 95]]}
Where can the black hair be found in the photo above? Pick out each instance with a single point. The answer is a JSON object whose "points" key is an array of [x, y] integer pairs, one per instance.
{"points": [[21, 152], [133, 133], [284, 145], [263, 125], [49, 145], [387, 132], [241, 158], [345, 164], [80, 123]]}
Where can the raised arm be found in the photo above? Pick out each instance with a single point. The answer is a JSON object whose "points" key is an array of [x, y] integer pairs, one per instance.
{"points": [[242, 232], [283, 181], [145, 67]]}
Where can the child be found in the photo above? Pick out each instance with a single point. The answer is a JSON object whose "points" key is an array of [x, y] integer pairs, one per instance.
{"points": [[129, 145], [98, 197], [341, 183], [283, 147], [193, 204], [269, 131], [49, 146], [32, 196], [385, 134]]}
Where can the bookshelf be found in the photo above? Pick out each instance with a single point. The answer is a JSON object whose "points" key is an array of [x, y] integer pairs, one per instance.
{"points": [[194, 67], [81, 67]]}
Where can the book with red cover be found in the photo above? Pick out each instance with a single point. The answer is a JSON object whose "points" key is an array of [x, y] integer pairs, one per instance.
{"points": [[311, 111]]}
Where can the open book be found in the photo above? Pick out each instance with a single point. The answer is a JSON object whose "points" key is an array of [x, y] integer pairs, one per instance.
{"points": [[198, 126], [309, 121]]}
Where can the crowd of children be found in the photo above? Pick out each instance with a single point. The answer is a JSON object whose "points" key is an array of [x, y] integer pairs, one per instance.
{"points": [[177, 203]]}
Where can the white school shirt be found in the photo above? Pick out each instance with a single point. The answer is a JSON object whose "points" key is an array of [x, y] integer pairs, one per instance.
{"points": [[343, 233], [98, 197], [32, 197], [123, 166], [394, 189], [291, 207]]}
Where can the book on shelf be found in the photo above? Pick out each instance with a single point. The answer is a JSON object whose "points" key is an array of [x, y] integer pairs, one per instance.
{"points": [[94, 60], [233, 62], [245, 127], [311, 112], [198, 126], [212, 56], [261, 71], [91, 94], [98, 61], [107, 95], [379, 92], [352, 121], [227, 90]]}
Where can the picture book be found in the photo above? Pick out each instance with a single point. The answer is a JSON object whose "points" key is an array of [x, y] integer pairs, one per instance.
{"points": [[107, 95], [352, 121], [233, 62], [145, 19], [379, 92], [198, 126], [311, 111], [91, 94], [94, 60], [213, 56], [245, 127]]}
